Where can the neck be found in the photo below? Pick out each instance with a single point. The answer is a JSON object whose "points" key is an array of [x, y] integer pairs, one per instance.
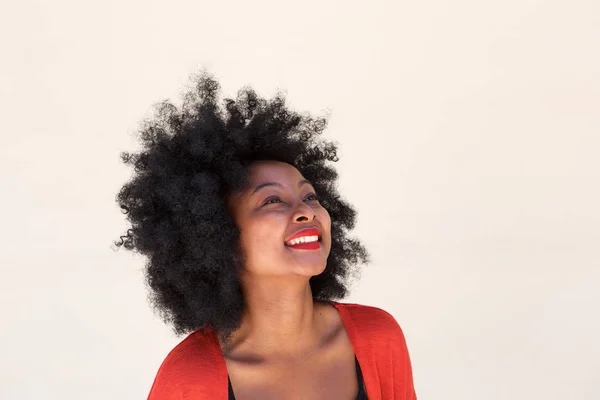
{"points": [[279, 318]]}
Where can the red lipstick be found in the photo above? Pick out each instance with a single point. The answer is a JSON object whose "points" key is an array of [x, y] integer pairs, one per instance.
{"points": [[307, 245], [304, 232]]}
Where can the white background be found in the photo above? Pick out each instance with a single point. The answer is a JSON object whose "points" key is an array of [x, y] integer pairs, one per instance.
{"points": [[469, 138]]}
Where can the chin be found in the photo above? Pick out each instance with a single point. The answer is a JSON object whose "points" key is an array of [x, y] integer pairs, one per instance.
{"points": [[309, 269]]}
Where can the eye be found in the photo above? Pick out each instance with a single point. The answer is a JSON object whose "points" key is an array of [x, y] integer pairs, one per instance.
{"points": [[314, 196], [271, 199]]}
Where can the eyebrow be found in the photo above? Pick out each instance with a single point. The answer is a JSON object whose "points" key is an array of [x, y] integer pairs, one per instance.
{"points": [[266, 184]]}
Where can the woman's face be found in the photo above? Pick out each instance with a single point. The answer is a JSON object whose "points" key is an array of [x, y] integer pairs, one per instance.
{"points": [[277, 204]]}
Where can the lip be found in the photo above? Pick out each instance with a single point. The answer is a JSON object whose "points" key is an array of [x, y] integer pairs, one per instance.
{"points": [[312, 231]]}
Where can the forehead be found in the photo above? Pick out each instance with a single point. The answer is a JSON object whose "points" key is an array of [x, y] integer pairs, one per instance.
{"points": [[272, 171]]}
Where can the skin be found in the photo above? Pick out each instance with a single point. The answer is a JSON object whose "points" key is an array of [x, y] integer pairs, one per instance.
{"points": [[288, 346]]}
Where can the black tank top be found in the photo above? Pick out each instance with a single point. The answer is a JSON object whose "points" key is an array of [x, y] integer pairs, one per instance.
{"points": [[362, 394]]}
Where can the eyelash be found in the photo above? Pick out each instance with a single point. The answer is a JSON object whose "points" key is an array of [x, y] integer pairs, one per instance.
{"points": [[276, 197]]}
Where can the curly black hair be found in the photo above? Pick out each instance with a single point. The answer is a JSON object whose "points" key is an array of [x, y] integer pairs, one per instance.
{"points": [[191, 158]]}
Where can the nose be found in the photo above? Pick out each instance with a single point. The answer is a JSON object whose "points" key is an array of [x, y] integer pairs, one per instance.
{"points": [[304, 213]]}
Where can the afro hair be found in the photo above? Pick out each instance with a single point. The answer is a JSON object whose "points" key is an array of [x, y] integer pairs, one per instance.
{"points": [[191, 158]]}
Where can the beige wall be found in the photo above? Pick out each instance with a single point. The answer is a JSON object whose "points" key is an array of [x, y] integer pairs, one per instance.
{"points": [[470, 134]]}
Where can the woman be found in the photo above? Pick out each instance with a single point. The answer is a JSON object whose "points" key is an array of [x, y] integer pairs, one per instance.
{"points": [[237, 210]]}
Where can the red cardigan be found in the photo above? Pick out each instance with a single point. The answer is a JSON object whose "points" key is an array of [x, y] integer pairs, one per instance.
{"points": [[195, 369]]}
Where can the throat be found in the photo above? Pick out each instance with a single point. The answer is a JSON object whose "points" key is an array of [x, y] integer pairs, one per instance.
{"points": [[282, 336]]}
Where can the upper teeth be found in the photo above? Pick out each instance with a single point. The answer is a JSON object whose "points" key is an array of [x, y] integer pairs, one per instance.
{"points": [[303, 239]]}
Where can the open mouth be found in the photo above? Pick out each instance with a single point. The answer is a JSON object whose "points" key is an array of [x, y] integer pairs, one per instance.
{"points": [[305, 239], [306, 245]]}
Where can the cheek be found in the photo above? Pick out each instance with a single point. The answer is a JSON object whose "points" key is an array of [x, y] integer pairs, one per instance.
{"points": [[259, 236], [325, 219]]}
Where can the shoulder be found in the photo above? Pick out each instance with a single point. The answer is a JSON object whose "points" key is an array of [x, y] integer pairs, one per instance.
{"points": [[371, 321], [367, 313], [191, 366], [381, 348]]}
